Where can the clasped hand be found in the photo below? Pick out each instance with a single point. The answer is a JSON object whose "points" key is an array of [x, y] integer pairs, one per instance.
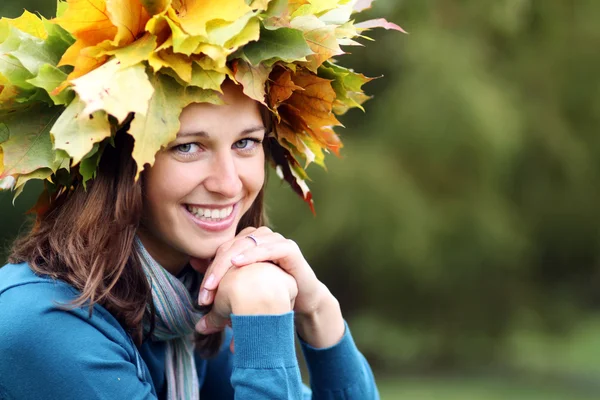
{"points": [[269, 276]]}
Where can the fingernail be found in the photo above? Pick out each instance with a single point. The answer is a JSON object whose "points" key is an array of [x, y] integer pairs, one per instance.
{"points": [[201, 325], [237, 259], [204, 296], [209, 281]]}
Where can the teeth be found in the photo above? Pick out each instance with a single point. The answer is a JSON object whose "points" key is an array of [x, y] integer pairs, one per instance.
{"points": [[210, 213]]}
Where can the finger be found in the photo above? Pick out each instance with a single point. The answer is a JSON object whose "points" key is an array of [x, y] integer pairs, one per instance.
{"points": [[232, 346], [211, 323], [222, 260], [205, 297], [278, 252], [285, 253]]}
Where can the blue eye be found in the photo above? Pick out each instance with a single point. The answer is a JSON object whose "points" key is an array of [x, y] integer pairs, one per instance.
{"points": [[241, 144], [246, 144], [185, 148]]}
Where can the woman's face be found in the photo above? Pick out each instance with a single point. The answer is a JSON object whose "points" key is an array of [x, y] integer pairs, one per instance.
{"points": [[204, 181]]}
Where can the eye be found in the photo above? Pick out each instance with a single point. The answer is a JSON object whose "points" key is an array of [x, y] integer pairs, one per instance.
{"points": [[186, 148], [246, 144]]}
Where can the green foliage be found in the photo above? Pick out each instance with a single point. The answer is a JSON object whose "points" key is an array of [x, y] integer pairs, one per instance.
{"points": [[466, 199]]}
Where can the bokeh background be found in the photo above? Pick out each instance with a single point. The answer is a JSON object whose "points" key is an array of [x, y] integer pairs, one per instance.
{"points": [[461, 228]]}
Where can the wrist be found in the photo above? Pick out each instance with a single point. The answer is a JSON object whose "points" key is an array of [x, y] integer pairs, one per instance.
{"points": [[323, 326]]}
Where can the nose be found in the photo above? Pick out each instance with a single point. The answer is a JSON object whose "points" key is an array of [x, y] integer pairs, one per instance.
{"points": [[224, 177]]}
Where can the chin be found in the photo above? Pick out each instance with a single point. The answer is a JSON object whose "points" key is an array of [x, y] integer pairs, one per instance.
{"points": [[206, 247]]}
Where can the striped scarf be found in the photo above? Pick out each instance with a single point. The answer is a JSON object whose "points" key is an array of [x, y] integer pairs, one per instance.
{"points": [[175, 322]]}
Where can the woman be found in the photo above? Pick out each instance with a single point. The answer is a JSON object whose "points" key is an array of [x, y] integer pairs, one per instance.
{"points": [[151, 124], [87, 239]]}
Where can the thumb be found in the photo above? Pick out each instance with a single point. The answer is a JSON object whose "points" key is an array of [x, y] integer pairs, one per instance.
{"points": [[211, 323]]}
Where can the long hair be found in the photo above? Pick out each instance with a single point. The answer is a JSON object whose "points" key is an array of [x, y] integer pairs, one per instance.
{"points": [[86, 238]]}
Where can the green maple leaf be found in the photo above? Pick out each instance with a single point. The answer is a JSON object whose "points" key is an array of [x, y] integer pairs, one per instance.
{"points": [[49, 78], [283, 44], [159, 126], [77, 132], [29, 146], [347, 85], [88, 167], [206, 79]]}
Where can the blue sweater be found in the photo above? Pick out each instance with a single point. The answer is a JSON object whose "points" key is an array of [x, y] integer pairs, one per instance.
{"points": [[47, 352]]}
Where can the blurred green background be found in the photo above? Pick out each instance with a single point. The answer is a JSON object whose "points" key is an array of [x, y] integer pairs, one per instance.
{"points": [[460, 229]]}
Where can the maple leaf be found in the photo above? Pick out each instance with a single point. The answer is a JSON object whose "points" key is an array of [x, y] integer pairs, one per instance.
{"points": [[99, 26], [378, 23], [49, 78], [28, 146], [304, 105], [362, 5], [136, 52], [281, 87], [179, 63], [195, 15], [110, 88], [207, 78], [321, 38], [315, 102], [28, 23], [253, 79], [282, 44], [77, 132], [315, 7], [155, 6], [347, 85], [88, 21], [25, 59], [159, 126], [89, 165]]}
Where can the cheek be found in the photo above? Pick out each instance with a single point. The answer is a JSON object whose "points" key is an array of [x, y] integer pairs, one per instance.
{"points": [[253, 175], [165, 183]]}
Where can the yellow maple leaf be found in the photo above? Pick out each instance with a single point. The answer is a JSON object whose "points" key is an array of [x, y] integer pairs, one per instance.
{"points": [[87, 20], [194, 15], [130, 18], [28, 23], [99, 26], [181, 64]]}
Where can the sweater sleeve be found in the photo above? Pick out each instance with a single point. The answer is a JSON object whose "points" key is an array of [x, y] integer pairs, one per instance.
{"points": [[52, 353], [340, 371], [264, 361], [265, 365]]}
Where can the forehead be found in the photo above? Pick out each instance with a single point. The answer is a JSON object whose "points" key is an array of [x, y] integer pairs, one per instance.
{"points": [[237, 114]]}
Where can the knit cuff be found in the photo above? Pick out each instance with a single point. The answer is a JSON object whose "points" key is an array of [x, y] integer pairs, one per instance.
{"points": [[336, 367], [264, 341]]}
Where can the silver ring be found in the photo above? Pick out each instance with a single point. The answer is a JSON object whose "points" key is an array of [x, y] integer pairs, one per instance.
{"points": [[255, 240]]}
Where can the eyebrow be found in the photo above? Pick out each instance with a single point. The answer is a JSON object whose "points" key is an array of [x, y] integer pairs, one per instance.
{"points": [[206, 135]]}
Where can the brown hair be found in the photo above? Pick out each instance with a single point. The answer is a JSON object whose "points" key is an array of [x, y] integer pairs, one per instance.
{"points": [[86, 238]]}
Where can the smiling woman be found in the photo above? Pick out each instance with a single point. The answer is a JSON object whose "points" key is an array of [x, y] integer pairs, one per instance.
{"points": [[151, 126], [204, 182]]}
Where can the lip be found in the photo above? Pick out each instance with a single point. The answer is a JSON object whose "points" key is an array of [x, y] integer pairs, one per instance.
{"points": [[214, 226]]}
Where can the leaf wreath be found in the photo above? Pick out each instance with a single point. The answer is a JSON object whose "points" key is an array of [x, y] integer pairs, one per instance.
{"points": [[65, 82]]}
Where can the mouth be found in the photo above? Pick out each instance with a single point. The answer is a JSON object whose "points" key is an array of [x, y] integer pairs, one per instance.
{"points": [[212, 218], [210, 214]]}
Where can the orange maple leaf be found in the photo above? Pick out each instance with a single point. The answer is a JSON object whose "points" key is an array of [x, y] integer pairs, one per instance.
{"points": [[99, 26]]}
